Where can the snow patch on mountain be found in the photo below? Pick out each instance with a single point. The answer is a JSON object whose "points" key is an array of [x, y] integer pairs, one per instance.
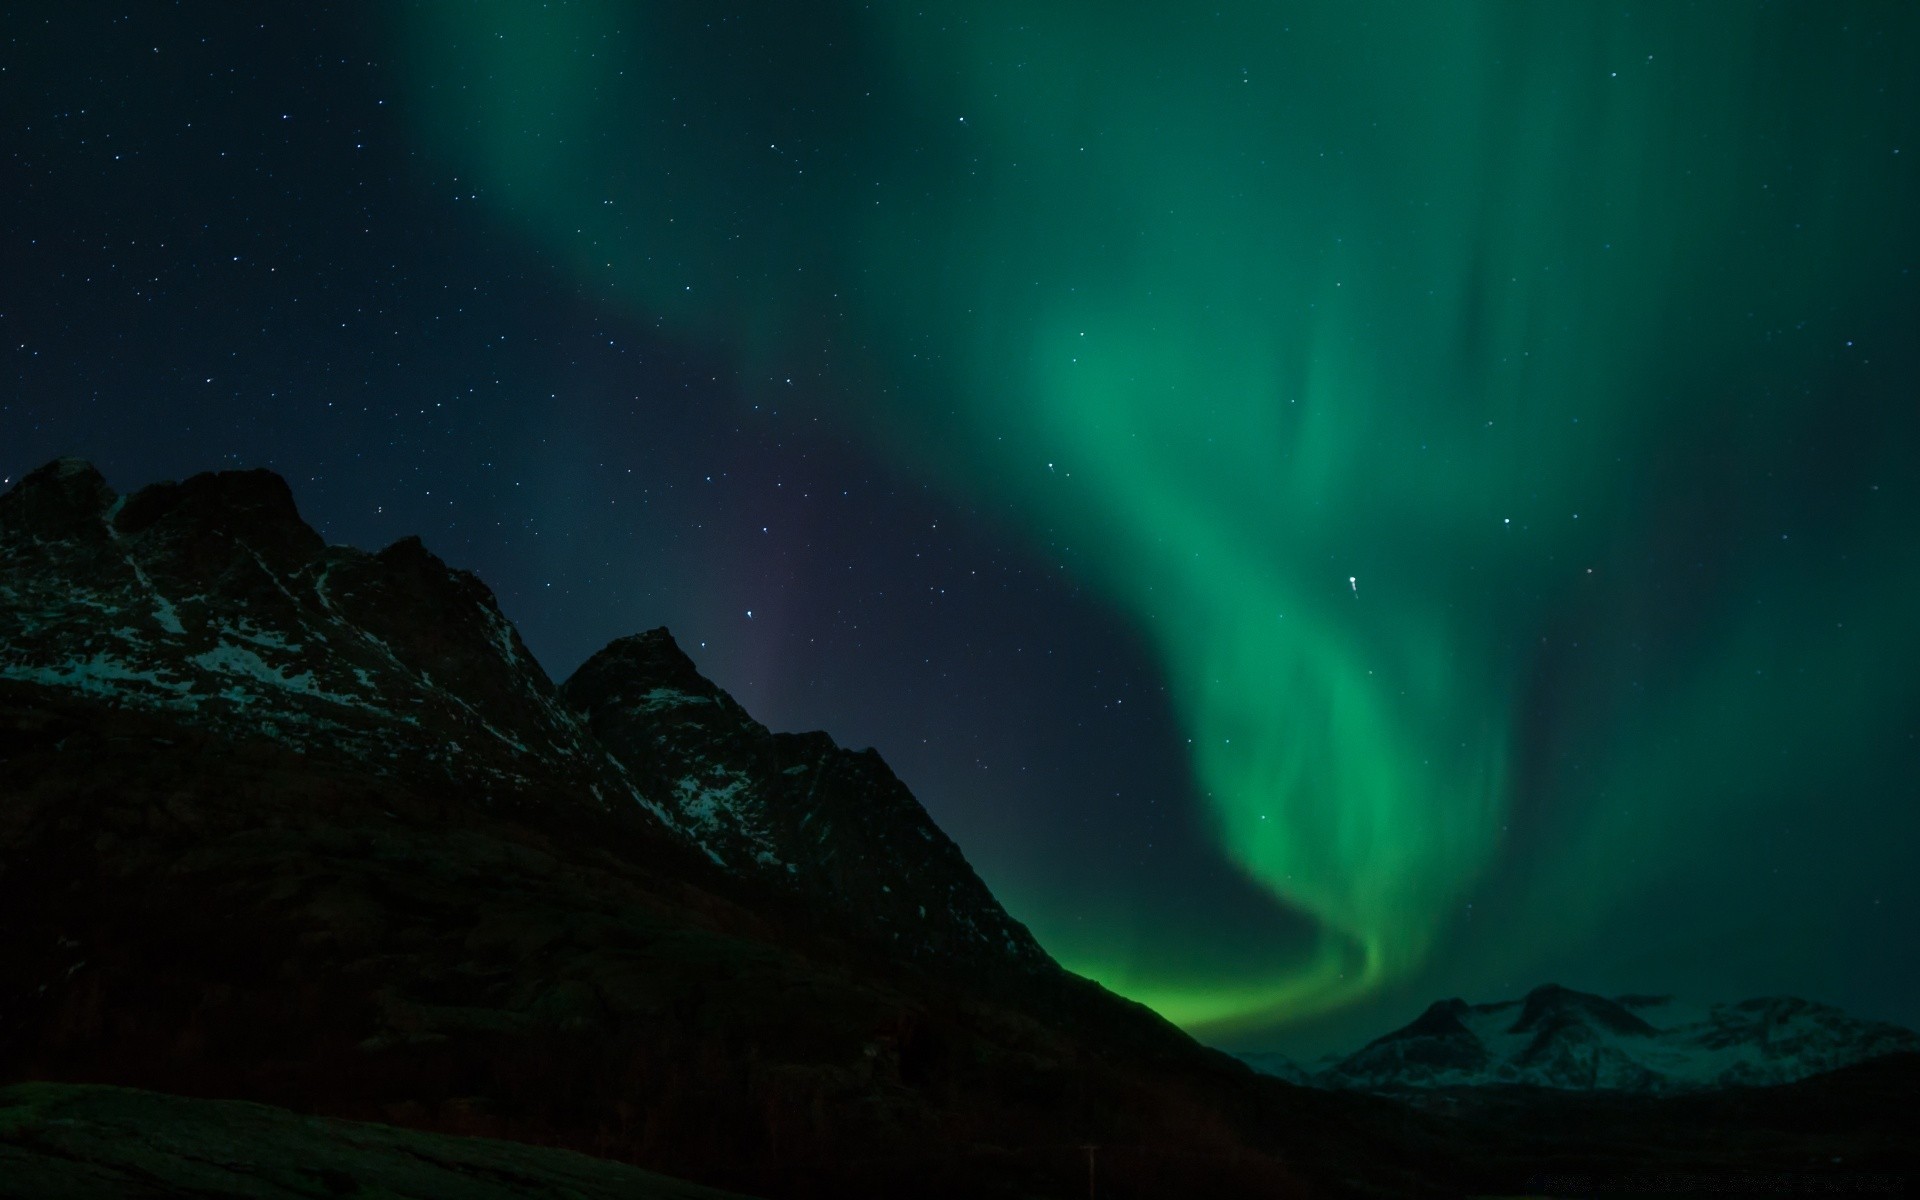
{"points": [[99, 675], [1567, 1040], [164, 613], [656, 699], [230, 659], [721, 804]]}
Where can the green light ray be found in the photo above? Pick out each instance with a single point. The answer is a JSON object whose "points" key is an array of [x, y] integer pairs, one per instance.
{"points": [[1343, 340]]}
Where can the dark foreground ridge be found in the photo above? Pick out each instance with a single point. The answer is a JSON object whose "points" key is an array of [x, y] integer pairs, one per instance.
{"points": [[307, 826], [65, 1140]]}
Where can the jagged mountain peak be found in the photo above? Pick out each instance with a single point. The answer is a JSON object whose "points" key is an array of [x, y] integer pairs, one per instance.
{"points": [[256, 502], [1442, 1019], [640, 662], [1572, 1040], [63, 499], [834, 824], [212, 601], [1552, 1006], [60, 475]]}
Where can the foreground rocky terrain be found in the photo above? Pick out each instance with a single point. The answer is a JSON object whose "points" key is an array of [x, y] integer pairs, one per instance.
{"points": [[68, 1142], [306, 826]]}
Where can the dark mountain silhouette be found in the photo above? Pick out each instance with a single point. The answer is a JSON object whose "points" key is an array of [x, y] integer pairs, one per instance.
{"points": [[833, 825], [306, 826]]}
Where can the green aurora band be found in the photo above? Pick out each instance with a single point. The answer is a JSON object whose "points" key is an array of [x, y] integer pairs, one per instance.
{"points": [[1372, 357]]}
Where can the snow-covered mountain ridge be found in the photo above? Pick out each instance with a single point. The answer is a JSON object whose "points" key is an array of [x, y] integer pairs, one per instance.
{"points": [[211, 601], [1559, 1038]]}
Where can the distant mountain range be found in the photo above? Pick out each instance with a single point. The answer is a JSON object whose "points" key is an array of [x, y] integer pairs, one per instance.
{"points": [[307, 827], [1563, 1039]]}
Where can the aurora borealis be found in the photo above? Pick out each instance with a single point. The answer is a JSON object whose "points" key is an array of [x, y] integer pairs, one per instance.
{"points": [[1496, 423]]}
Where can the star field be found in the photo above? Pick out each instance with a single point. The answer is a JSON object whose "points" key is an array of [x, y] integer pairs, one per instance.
{"points": [[1329, 507]]}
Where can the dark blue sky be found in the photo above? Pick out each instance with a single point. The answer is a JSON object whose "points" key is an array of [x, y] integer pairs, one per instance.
{"points": [[236, 239]]}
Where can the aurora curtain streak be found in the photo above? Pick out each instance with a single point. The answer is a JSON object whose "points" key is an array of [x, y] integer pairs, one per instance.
{"points": [[1426, 380]]}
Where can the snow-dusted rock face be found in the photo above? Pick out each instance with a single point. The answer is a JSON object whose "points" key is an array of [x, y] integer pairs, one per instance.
{"points": [[211, 601], [835, 825], [1559, 1038]]}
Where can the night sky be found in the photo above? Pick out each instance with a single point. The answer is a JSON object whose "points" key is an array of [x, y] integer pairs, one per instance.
{"points": [[1331, 505]]}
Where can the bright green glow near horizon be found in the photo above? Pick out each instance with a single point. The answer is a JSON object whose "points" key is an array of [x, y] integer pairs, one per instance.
{"points": [[1340, 341]]}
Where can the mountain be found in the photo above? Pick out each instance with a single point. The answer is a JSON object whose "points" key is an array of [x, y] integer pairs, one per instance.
{"points": [[832, 824], [306, 830], [305, 825], [212, 602], [1564, 1039]]}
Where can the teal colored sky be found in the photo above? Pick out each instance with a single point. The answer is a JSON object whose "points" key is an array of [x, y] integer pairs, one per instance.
{"points": [[1333, 505], [1499, 420]]}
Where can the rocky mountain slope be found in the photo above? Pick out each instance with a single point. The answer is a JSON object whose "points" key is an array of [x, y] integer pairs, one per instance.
{"points": [[834, 825], [1568, 1040], [307, 826], [213, 602]]}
